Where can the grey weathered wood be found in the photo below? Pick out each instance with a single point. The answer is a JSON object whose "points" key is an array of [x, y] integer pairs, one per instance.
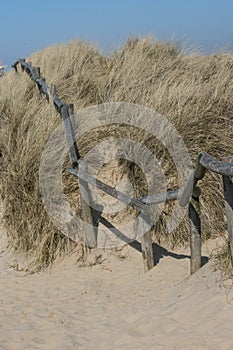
{"points": [[194, 177], [187, 191], [228, 194], [56, 100], [146, 245], [38, 71], [34, 73], [215, 165], [90, 232], [195, 232], [199, 171], [122, 197], [147, 251], [41, 83], [160, 198], [18, 62], [70, 137]]}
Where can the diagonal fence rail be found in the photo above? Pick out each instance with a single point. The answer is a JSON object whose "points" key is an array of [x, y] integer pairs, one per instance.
{"points": [[186, 196]]}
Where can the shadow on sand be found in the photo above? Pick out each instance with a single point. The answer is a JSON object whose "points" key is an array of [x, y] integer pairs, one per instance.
{"points": [[158, 251]]}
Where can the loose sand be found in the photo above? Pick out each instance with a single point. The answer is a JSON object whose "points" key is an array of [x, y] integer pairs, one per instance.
{"points": [[114, 305]]}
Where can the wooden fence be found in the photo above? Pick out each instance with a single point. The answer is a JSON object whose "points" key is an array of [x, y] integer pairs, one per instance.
{"points": [[186, 196]]}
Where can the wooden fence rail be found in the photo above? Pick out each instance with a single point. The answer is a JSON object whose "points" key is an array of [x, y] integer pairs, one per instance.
{"points": [[65, 112], [186, 196]]}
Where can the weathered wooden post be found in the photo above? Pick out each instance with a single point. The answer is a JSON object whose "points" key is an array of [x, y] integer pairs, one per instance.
{"points": [[195, 230], [147, 251], [146, 241], [90, 232], [228, 194]]}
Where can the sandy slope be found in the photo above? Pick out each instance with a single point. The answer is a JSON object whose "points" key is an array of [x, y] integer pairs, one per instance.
{"points": [[115, 305]]}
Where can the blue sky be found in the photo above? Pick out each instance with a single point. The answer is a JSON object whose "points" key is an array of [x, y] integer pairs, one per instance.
{"points": [[30, 25]]}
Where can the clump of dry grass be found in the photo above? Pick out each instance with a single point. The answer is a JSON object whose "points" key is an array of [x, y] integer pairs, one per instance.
{"points": [[194, 92], [27, 121]]}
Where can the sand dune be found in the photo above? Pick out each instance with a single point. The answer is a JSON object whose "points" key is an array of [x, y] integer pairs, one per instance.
{"points": [[114, 305]]}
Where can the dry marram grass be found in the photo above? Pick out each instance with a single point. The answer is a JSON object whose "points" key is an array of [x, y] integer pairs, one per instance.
{"points": [[195, 92]]}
